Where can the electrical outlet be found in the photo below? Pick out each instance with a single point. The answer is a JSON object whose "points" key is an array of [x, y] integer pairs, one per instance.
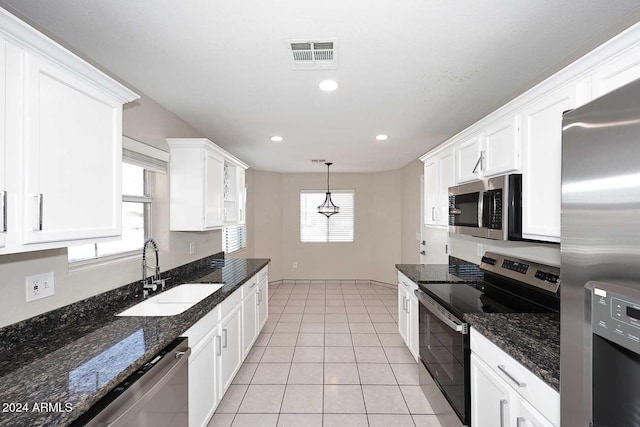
{"points": [[39, 286], [192, 248], [480, 250], [295, 264]]}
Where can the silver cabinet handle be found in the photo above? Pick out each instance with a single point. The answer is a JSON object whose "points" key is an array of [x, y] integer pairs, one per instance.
{"points": [[260, 296], [480, 163], [518, 383], [219, 345], [404, 300], [407, 310], [253, 286], [405, 284], [224, 332], [38, 226], [433, 213], [520, 421], [257, 300], [240, 215], [3, 199], [503, 403]]}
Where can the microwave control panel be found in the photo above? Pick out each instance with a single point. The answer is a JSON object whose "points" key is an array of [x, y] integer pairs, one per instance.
{"points": [[616, 318]]}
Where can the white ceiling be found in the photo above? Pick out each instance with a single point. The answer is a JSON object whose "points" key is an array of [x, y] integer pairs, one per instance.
{"points": [[418, 70]]}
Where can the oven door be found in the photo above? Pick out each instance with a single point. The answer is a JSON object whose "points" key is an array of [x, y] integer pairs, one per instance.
{"points": [[445, 352]]}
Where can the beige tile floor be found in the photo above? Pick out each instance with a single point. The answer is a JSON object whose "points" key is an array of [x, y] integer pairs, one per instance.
{"points": [[329, 355]]}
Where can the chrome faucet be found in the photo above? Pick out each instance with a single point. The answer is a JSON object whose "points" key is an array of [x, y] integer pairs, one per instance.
{"points": [[150, 283]]}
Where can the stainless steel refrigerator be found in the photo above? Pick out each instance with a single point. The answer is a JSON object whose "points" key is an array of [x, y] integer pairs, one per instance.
{"points": [[600, 271]]}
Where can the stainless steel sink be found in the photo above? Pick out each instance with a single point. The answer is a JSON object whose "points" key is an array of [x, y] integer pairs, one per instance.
{"points": [[173, 301]]}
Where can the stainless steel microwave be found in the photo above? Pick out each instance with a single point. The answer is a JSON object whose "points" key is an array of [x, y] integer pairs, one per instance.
{"points": [[490, 208]]}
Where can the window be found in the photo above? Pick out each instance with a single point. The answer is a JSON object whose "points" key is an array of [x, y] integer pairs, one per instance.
{"points": [[139, 161], [234, 238], [315, 227]]}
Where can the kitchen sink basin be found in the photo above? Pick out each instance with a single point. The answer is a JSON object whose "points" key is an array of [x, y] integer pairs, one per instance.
{"points": [[173, 301]]}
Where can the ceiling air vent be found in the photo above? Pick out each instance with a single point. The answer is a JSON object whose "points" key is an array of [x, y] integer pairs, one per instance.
{"points": [[318, 160], [313, 55]]}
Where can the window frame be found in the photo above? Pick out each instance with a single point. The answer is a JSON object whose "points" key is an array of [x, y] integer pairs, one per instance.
{"points": [[352, 192]]}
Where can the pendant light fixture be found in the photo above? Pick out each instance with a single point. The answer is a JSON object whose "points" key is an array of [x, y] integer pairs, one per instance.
{"points": [[328, 208]]}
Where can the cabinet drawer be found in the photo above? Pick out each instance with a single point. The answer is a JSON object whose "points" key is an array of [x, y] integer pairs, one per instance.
{"points": [[544, 398], [263, 273], [249, 286], [202, 327], [230, 303], [406, 283]]}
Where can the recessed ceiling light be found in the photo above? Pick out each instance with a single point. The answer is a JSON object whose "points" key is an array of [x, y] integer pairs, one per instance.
{"points": [[382, 137], [277, 138], [328, 85]]}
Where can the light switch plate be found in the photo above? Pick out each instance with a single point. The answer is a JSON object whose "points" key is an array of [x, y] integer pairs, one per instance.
{"points": [[39, 286]]}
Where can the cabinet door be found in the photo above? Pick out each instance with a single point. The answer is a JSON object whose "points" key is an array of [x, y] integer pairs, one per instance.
{"points": [[446, 173], [403, 323], [541, 181], [617, 72], [431, 191], [214, 171], [412, 325], [500, 146], [242, 197], [530, 417], [263, 302], [492, 400], [249, 320], [231, 344], [468, 165], [73, 154], [203, 396], [3, 158]]}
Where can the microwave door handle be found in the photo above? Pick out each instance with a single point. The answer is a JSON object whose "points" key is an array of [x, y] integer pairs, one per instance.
{"points": [[481, 215]]}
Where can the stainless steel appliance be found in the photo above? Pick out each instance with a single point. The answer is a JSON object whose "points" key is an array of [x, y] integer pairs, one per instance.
{"points": [[600, 242], [490, 208], [155, 395], [500, 285]]}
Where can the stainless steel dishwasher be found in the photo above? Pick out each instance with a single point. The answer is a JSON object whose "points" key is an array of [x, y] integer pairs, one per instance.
{"points": [[155, 395]]}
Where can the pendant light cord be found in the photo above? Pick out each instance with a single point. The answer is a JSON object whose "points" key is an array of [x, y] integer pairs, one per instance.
{"points": [[328, 164]]}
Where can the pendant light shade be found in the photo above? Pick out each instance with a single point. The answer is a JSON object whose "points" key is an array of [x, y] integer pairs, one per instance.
{"points": [[328, 208]]}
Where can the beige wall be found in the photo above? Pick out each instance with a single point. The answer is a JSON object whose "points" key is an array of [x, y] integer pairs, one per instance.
{"points": [[147, 122], [275, 228]]}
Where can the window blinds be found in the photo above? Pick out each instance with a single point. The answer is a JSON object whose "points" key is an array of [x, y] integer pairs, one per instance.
{"points": [[315, 227], [234, 238], [143, 155]]}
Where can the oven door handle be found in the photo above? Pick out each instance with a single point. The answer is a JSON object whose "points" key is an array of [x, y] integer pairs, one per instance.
{"points": [[439, 311]]}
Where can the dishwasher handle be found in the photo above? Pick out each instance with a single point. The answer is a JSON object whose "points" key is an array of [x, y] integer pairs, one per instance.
{"points": [[441, 313], [129, 403]]}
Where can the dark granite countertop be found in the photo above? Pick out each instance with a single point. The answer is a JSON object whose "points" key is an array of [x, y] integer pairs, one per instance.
{"points": [[71, 366], [530, 338], [441, 273]]}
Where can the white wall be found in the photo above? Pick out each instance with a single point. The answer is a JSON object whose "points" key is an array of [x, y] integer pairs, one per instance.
{"points": [[148, 122], [411, 213], [466, 247]]}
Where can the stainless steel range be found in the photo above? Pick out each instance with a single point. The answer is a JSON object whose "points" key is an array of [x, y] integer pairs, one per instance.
{"points": [[500, 285]]}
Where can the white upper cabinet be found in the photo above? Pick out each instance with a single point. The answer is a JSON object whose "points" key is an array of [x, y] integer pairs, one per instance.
{"points": [[242, 196], [61, 144], [468, 159], [500, 146], [494, 149], [542, 151], [438, 177], [203, 185]]}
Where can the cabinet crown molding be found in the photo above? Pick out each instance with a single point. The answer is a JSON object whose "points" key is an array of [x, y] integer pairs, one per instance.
{"points": [[26, 37]]}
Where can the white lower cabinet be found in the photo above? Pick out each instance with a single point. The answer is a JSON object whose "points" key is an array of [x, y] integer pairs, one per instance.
{"points": [[408, 318], [203, 393], [249, 315], [505, 393], [230, 347], [219, 343]]}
